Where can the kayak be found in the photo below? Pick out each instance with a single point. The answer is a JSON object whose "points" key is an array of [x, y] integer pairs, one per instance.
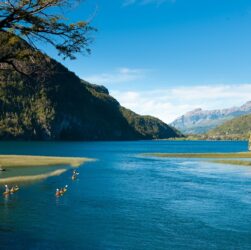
{"points": [[14, 190], [62, 191], [58, 194], [74, 177], [6, 193]]}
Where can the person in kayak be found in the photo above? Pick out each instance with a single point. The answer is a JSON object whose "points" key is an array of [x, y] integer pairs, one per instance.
{"points": [[61, 190], [58, 192], [74, 175], [14, 189], [65, 188], [7, 190]]}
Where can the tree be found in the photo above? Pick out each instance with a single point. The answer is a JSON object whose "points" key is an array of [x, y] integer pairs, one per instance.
{"points": [[33, 21]]}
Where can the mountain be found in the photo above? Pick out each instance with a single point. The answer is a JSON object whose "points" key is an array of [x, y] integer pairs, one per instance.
{"points": [[58, 105], [201, 121], [149, 126], [237, 128]]}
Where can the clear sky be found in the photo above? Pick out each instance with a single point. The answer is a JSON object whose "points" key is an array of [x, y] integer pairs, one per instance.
{"points": [[166, 57]]}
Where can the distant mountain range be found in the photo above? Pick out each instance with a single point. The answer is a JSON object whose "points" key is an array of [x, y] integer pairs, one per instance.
{"points": [[201, 121]]}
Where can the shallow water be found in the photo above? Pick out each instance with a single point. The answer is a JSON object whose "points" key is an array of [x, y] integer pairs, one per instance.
{"points": [[126, 201], [29, 171]]}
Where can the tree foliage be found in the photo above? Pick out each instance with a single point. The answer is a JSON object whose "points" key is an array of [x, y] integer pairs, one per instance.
{"points": [[40, 21]]}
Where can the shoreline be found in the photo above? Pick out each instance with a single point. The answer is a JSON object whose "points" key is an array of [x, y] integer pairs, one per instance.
{"points": [[220, 158], [31, 178], [233, 162], [201, 155], [210, 140], [15, 162]]}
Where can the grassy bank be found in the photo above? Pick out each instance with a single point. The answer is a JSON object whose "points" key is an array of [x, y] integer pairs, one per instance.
{"points": [[222, 158], [234, 162], [202, 155], [11, 161], [25, 169]]}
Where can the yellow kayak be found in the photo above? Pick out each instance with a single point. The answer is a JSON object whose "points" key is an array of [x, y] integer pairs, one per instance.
{"points": [[65, 189], [62, 191], [6, 193], [14, 190], [74, 177]]}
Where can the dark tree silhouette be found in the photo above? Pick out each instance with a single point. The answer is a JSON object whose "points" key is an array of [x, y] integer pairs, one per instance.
{"points": [[40, 21]]}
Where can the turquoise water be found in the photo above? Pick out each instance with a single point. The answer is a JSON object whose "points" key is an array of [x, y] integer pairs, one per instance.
{"points": [[126, 201]]}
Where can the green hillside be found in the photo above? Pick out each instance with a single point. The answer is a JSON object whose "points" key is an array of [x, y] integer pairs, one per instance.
{"points": [[57, 105], [149, 127], [237, 128]]}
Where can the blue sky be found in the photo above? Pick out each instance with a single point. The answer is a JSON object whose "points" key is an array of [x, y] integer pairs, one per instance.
{"points": [[166, 57]]}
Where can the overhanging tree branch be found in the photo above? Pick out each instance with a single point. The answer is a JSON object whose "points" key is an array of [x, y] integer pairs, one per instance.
{"points": [[32, 20]]}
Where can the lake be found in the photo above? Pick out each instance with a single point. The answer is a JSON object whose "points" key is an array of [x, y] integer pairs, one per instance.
{"points": [[127, 201]]}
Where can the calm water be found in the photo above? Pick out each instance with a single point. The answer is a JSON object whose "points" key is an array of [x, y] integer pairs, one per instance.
{"points": [[125, 201]]}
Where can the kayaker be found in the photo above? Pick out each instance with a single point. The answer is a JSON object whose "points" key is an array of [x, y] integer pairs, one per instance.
{"points": [[65, 188], [7, 190], [14, 189], [61, 191], [58, 192], [75, 174]]}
